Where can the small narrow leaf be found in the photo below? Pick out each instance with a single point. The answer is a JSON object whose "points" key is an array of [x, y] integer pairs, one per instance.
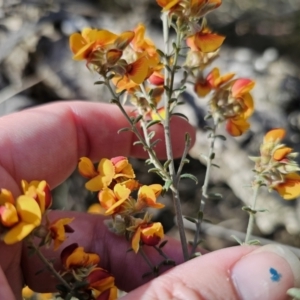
{"points": [[137, 119], [167, 163], [190, 176], [216, 166], [207, 117], [151, 134], [180, 115], [208, 128], [237, 239], [212, 156], [124, 129], [215, 196], [151, 123], [138, 143], [160, 53], [167, 185], [221, 137], [154, 170], [152, 145], [254, 242], [162, 244], [190, 219], [99, 82]]}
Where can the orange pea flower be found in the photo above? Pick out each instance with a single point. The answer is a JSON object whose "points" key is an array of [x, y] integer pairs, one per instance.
{"points": [[100, 178], [149, 234], [276, 167], [213, 81], [8, 212], [244, 106], [40, 191], [102, 284], [58, 231], [205, 41], [113, 200], [147, 196], [90, 40], [29, 217], [168, 4], [122, 167], [73, 257]]}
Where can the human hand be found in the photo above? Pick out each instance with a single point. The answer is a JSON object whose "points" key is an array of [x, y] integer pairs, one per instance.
{"points": [[46, 143]]}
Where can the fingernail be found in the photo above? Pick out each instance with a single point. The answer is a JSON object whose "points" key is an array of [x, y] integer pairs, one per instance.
{"points": [[266, 273]]}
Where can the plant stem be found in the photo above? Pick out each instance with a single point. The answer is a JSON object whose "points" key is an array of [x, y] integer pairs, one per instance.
{"points": [[147, 260], [252, 213], [169, 82], [49, 266], [205, 196]]}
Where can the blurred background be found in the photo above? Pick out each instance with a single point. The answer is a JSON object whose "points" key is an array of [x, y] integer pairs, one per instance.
{"points": [[262, 43]]}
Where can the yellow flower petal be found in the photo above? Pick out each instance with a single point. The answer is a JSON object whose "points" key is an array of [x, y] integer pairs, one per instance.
{"points": [[290, 188], [237, 127], [135, 242], [274, 135], [208, 42], [281, 153], [106, 168], [8, 214], [6, 196], [86, 168], [138, 70], [29, 210], [18, 233]]}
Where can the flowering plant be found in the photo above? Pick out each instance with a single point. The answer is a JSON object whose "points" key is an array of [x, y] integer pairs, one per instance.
{"points": [[143, 82]]}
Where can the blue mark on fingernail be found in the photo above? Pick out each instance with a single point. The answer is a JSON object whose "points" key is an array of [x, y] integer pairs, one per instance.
{"points": [[275, 276]]}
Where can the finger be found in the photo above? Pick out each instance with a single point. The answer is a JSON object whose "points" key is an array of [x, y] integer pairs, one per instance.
{"points": [[46, 142], [91, 233], [5, 290], [243, 272]]}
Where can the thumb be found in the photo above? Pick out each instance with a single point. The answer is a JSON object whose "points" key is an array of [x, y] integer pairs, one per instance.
{"points": [[243, 272]]}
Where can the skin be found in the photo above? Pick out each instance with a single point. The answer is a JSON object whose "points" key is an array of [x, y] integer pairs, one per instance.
{"points": [[46, 143]]}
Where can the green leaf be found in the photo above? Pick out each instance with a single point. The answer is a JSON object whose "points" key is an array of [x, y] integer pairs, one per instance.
{"points": [[167, 163], [253, 242], [200, 215], [137, 119], [212, 156], [151, 134], [99, 82], [181, 103], [162, 244], [249, 210], [152, 145], [154, 170], [190, 176], [160, 53], [151, 123], [237, 239], [177, 68], [221, 137], [190, 219], [216, 166], [124, 129], [180, 115], [138, 143], [208, 128], [207, 117], [167, 185], [110, 76], [215, 196], [168, 68]]}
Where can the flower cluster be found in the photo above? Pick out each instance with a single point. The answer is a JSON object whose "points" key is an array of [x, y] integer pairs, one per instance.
{"points": [[276, 167], [19, 217], [231, 101], [114, 180], [81, 271]]}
